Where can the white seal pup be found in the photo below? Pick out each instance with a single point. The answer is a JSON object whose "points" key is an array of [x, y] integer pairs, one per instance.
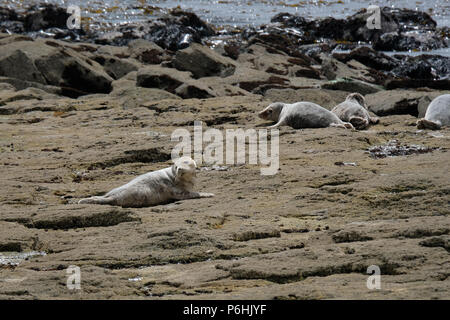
{"points": [[437, 115], [354, 110], [153, 188], [301, 115]]}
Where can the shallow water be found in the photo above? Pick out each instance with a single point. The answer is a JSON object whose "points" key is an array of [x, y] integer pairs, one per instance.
{"points": [[235, 12]]}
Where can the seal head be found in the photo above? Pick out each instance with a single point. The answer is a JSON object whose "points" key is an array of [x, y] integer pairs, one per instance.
{"points": [[272, 112]]}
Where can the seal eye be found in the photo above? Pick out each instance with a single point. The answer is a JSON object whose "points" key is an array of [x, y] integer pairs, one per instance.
{"points": [[269, 111]]}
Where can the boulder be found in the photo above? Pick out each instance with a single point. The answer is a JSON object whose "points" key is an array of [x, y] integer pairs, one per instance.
{"points": [[334, 69], [194, 89], [401, 102], [252, 80], [417, 83], [369, 58], [201, 61], [115, 67], [45, 16], [429, 67], [162, 78], [401, 29], [173, 31], [352, 85], [178, 82], [39, 62], [286, 40], [264, 58], [404, 41], [179, 29], [147, 52]]}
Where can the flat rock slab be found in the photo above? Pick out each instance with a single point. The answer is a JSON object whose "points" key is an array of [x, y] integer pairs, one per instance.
{"points": [[308, 232]]}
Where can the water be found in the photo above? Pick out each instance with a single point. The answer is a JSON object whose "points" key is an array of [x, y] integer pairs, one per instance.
{"points": [[234, 12]]}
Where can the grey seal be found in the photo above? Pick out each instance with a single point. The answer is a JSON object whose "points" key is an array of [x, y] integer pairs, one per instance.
{"points": [[354, 110], [437, 115], [301, 115], [153, 188]]}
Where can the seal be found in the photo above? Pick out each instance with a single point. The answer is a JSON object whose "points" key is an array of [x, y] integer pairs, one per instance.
{"points": [[153, 188], [437, 115], [301, 115], [354, 110]]}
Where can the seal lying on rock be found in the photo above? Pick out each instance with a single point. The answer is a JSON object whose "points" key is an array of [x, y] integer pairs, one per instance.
{"points": [[437, 115], [354, 110], [153, 188], [301, 115]]}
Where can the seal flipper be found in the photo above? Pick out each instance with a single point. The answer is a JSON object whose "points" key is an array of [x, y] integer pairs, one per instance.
{"points": [[374, 120], [427, 124], [359, 123], [97, 200], [281, 122]]}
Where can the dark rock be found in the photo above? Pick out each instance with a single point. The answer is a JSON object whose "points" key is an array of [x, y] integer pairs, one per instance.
{"points": [[272, 81], [45, 16], [232, 49], [12, 27], [178, 30], [400, 102], [427, 67], [161, 78], [115, 67], [292, 21], [147, 52], [9, 21], [399, 41], [401, 29], [305, 72], [419, 70], [8, 14], [315, 51], [418, 83], [370, 58], [38, 62], [352, 85], [193, 90], [285, 40], [203, 62]]}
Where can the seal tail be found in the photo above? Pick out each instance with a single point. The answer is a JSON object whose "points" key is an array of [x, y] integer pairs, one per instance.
{"points": [[359, 123], [427, 124], [96, 200]]}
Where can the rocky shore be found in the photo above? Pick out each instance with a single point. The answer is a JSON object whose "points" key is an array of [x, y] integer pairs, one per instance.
{"points": [[84, 111]]}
